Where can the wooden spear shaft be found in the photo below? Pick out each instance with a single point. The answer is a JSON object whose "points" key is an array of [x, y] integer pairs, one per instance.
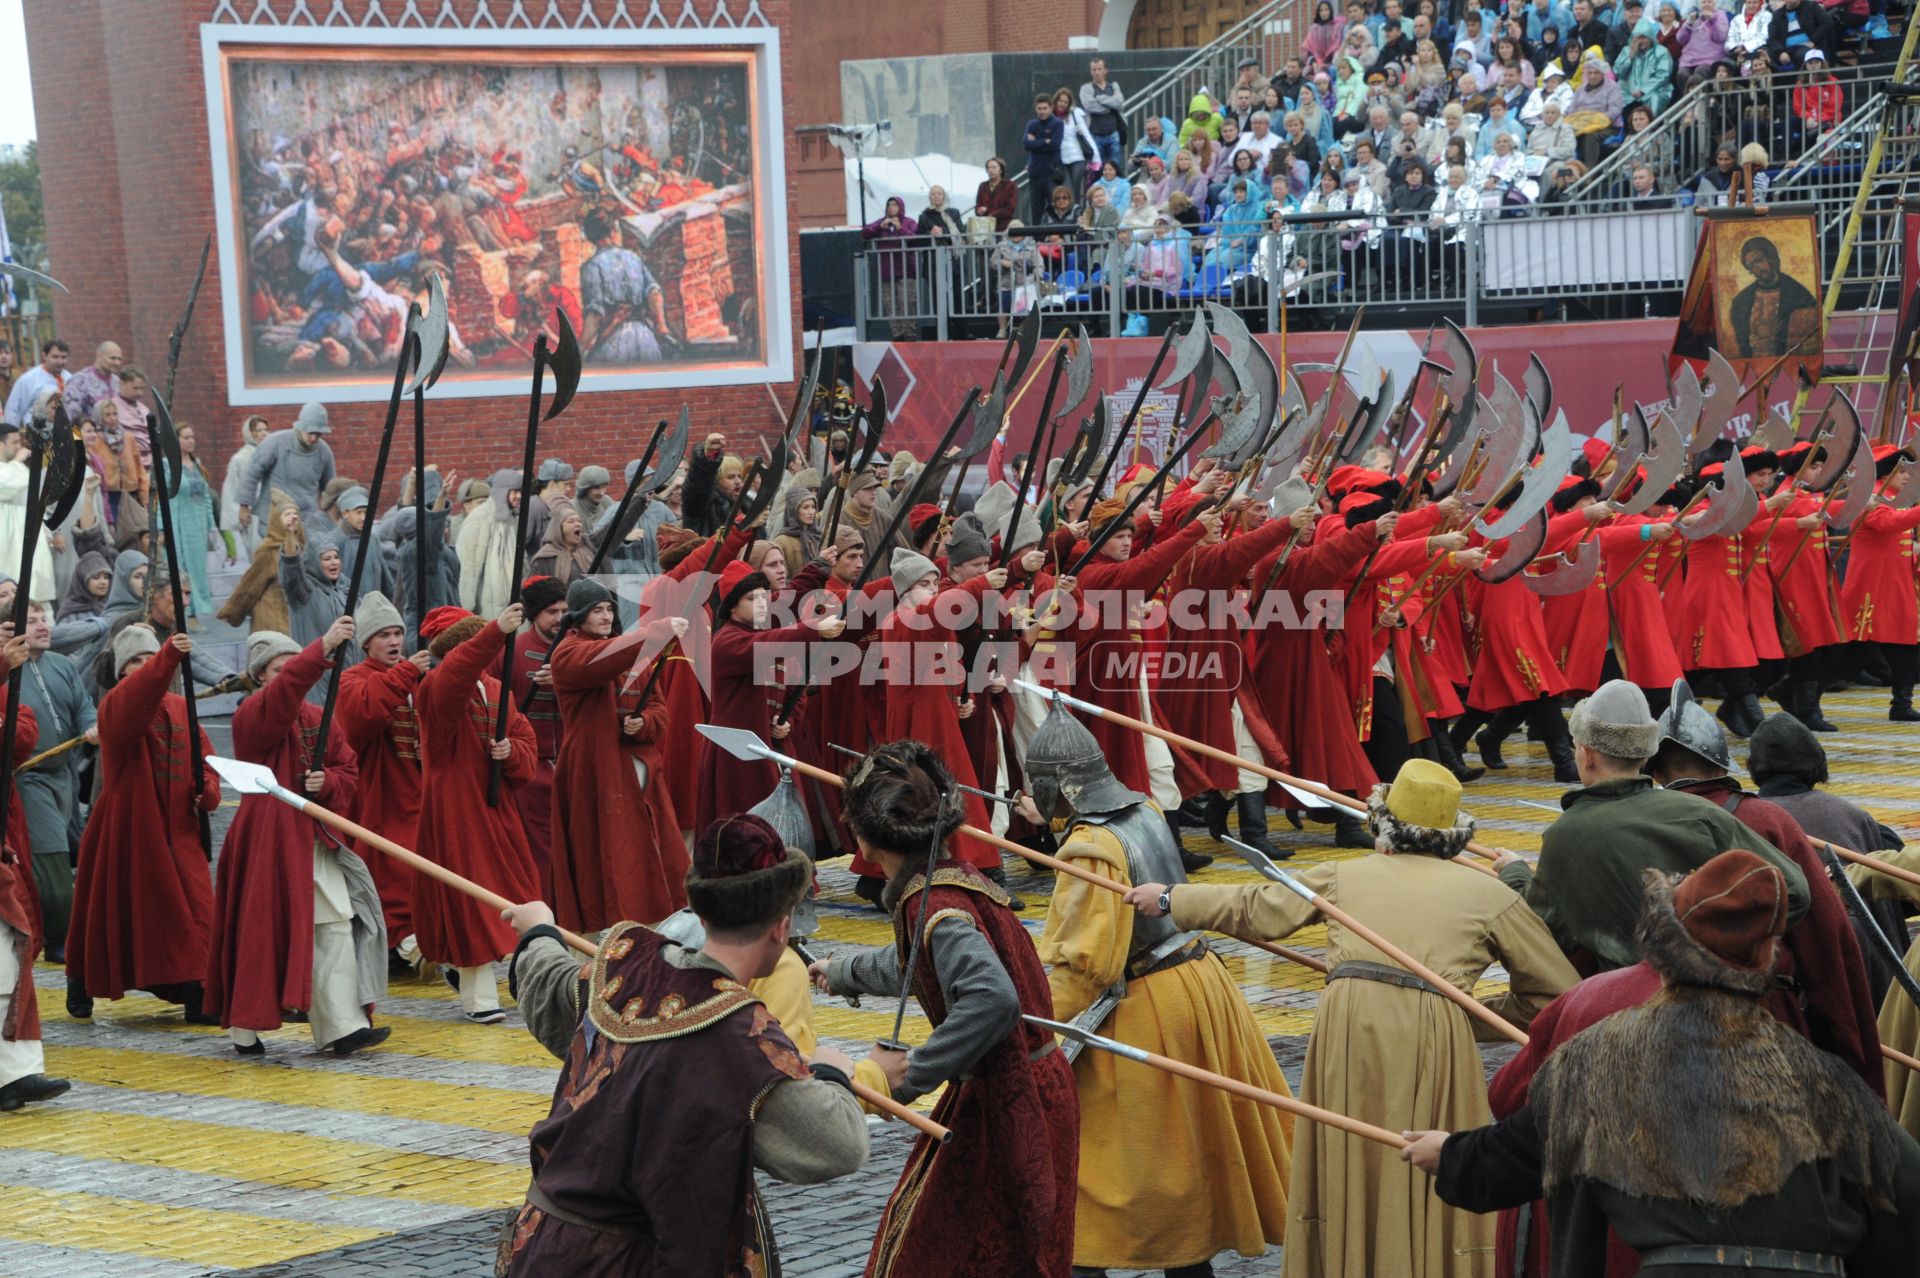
{"points": [[1050, 862], [1032, 373], [1653, 543], [465, 885], [60, 749]]}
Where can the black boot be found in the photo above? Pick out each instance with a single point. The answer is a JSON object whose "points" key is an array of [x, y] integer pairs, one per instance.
{"points": [[1732, 715], [1189, 861], [195, 1014], [1809, 697], [1449, 758], [1193, 812], [1216, 813], [1252, 811], [998, 877], [1750, 706], [1461, 731], [868, 888], [1552, 729], [1498, 729], [1902, 710], [31, 1090], [1349, 831]]}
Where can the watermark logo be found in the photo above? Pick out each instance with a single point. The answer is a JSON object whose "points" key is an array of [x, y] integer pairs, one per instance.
{"points": [[1192, 666]]}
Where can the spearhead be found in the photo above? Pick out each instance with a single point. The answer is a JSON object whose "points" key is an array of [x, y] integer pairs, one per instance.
{"points": [[741, 744], [1260, 861], [1087, 1038], [251, 778]]}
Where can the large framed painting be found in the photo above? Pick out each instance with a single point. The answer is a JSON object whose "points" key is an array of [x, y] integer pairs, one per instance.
{"points": [[633, 180]]}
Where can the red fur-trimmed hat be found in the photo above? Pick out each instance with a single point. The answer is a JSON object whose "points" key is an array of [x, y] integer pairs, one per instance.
{"points": [[438, 619], [743, 874]]}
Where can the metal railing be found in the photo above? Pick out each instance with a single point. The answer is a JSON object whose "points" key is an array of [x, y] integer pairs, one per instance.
{"points": [[1111, 280], [1680, 143]]}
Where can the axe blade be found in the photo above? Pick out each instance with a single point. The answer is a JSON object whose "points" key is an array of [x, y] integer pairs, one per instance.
{"points": [[164, 439], [1716, 408], [32, 276], [1539, 484], [1860, 487], [1026, 340], [1665, 461], [1563, 576], [1194, 344], [1096, 434], [1724, 504], [986, 418], [1241, 348], [1465, 373], [1079, 375], [429, 328], [1522, 549], [1842, 436], [564, 360], [1539, 386]]}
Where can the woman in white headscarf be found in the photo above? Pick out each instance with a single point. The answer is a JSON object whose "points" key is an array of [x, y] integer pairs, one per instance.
{"points": [[246, 531]]}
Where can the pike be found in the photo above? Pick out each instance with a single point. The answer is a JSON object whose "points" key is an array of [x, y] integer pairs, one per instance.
{"points": [[1246, 1091], [257, 779], [1309, 790], [565, 363], [744, 745], [1134, 501], [1410, 479], [1033, 451], [423, 353], [1025, 337], [637, 487], [976, 791]]}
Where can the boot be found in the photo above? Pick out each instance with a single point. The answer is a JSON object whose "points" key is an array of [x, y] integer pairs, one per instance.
{"points": [[79, 1006], [1189, 861], [1750, 706], [998, 877], [195, 1014], [31, 1090], [1464, 727], [1902, 710], [1216, 814], [1449, 758], [1349, 831], [869, 889], [1810, 702], [1498, 729], [1552, 728], [1193, 812], [1732, 715], [1252, 811]]}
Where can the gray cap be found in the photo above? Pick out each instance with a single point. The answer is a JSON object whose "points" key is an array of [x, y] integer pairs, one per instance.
{"points": [[907, 567], [263, 646], [312, 419], [967, 541], [355, 498], [593, 477], [137, 640], [553, 469], [1615, 721], [374, 614]]}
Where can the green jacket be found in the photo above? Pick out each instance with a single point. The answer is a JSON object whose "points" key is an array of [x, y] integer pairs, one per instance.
{"points": [[1588, 886]]}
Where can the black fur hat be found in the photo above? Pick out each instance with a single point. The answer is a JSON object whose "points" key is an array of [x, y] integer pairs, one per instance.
{"points": [[743, 875]]}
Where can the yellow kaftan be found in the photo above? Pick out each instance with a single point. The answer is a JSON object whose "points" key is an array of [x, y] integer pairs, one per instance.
{"points": [[1401, 1058], [1171, 1172], [788, 994], [1899, 1018]]}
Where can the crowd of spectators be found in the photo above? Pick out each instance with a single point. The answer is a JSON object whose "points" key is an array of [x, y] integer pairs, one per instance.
{"points": [[1396, 123]]}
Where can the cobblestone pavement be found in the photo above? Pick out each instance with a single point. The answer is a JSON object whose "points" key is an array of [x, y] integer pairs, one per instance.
{"points": [[171, 1157]]}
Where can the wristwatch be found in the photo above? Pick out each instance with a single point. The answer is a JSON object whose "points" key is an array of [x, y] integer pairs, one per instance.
{"points": [[1166, 901]]}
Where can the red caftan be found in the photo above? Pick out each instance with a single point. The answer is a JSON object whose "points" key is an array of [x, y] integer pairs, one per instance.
{"points": [[1708, 610], [1877, 599], [1200, 703], [261, 959], [921, 701], [1515, 663], [536, 701], [617, 850], [1107, 637], [1809, 611], [725, 785], [143, 895], [19, 905], [1755, 549], [1642, 640], [1293, 675], [457, 703], [375, 713], [680, 685], [1363, 641]]}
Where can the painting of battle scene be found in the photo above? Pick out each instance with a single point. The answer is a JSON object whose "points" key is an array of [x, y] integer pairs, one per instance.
{"points": [[620, 191]]}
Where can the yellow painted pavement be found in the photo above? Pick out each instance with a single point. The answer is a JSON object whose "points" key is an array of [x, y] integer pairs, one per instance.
{"points": [[94, 1222]]}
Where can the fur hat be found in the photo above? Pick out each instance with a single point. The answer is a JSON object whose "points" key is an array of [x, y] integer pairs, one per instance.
{"points": [[374, 614], [537, 594], [262, 647], [907, 567], [1420, 812], [553, 470], [1616, 722], [312, 420], [583, 594], [967, 541], [738, 580], [336, 488], [592, 477], [1719, 926], [901, 797], [455, 634], [675, 544], [743, 875], [1782, 746], [438, 619], [137, 640]]}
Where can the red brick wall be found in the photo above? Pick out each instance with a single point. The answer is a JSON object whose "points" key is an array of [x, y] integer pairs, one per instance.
{"points": [[121, 110]]}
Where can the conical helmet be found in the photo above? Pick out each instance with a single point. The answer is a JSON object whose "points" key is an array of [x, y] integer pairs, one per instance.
{"points": [[1065, 762], [784, 811], [1687, 724]]}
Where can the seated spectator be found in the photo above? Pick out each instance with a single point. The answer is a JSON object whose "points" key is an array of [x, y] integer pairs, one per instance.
{"points": [[1712, 186], [1454, 208], [1514, 86], [1427, 79], [1798, 27], [1140, 211], [1201, 150], [1360, 233], [1407, 207], [1017, 268], [1291, 84], [1239, 108], [1643, 189], [1245, 167], [1359, 46], [1753, 160], [1442, 23], [1644, 69], [1349, 96], [1261, 140], [1324, 34], [1849, 16], [1647, 145], [1286, 177], [1157, 265], [1503, 171], [1237, 228], [1474, 38], [1542, 14], [1666, 17], [1099, 213], [1595, 99], [1315, 106], [1588, 29], [1156, 138], [1498, 124], [1395, 47], [1550, 50], [1220, 153], [1820, 103], [1507, 57], [1702, 38], [1552, 138], [1369, 166], [1620, 34], [1185, 213], [1556, 186], [1119, 190], [1153, 176], [1454, 157], [1202, 117], [1463, 75], [1552, 87], [1749, 29], [1187, 178], [1305, 148], [1061, 210]]}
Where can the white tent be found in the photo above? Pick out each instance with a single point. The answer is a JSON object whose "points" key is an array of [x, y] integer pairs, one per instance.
{"points": [[910, 179]]}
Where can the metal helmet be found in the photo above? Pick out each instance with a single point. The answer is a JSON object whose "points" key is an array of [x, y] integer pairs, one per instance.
{"points": [[683, 928], [784, 811], [1687, 724], [1065, 762]]}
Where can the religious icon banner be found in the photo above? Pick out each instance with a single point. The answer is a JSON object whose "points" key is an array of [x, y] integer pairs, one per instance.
{"points": [[635, 185], [1754, 295]]}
